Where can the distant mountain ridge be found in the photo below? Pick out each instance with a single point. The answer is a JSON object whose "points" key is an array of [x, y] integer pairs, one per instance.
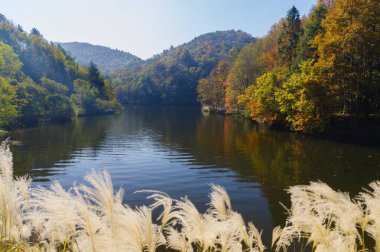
{"points": [[107, 59]]}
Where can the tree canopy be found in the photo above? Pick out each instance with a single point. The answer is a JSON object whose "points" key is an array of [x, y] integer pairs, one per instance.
{"points": [[172, 77], [37, 80], [306, 70]]}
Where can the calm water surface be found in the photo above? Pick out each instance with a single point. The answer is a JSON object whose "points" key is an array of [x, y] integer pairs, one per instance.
{"points": [[180, 151]]}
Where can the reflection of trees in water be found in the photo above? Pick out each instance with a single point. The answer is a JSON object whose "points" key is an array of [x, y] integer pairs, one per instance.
{"points": [[280, 159], [275, 159], [44, 146]]}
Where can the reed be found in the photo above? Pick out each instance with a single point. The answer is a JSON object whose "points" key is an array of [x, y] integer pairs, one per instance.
{"points": [[94, 218]]}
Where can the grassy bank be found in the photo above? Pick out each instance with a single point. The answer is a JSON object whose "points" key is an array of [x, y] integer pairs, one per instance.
{"points": [[93, 217]]}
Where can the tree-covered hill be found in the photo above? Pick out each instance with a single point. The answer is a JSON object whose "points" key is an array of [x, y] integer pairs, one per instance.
{"points": [[307, 72], [105, 58], [41, 82], [172, 76]]}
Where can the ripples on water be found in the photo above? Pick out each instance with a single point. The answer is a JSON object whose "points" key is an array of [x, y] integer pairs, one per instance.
{"points": [[179, 151]]}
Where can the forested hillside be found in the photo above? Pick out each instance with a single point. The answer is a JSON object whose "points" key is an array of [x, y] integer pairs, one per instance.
{"points": [[41, 82], [172, 77], [306, 70], [105, 58]]}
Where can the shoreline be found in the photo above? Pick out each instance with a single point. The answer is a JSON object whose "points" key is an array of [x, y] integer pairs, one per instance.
{"points": [[344, 128], [38, 123]]}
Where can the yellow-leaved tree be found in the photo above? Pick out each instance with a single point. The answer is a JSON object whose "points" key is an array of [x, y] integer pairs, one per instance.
{"points": [[349, 56]]}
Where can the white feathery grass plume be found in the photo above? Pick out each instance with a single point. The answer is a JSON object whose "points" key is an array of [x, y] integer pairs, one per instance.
{"points": [[221, 210], [344, 213], [319, 213], [250, 236], [213, 230], [153, 237], [282, 238], [177, 240], [6, 162], [255, 238], [54, 214], [14, 199], [101, 194], [105, 201], [276, 233], [304, 221], [371, 201], [161, 200], [193, 223], [220, 203], [92, 218], [90, 236], [122, 226], [131, 230], [226, 238], [336, 243]]}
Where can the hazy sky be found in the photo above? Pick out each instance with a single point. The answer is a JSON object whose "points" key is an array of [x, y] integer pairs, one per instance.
{"points": [[145, 27]]}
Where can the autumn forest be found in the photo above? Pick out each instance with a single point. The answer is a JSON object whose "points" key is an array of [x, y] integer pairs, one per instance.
{"points": [[235, 141], [305, 72]]}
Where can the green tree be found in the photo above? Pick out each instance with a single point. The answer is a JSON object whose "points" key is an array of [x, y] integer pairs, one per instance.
{"points": [[31, 100], [94, 76], [303, 100], [290, 34], [253, 60], [259, 99], [9, 62], [37, 80], [244, 70], [35, 32], [9, 67], [84, 97], [211, 90], [172, 77], [2, 18], [8, 103], [59, 108], [312, 28], [53, 87]]}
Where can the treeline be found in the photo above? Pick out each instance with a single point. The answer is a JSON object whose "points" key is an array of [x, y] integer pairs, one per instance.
{"points": [[41, 82], [172, 77], [306, 69]]}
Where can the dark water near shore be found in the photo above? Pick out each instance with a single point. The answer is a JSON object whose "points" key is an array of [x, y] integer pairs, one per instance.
{"points": [[181, 152]]}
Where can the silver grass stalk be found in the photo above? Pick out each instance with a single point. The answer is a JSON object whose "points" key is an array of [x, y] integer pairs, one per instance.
{"points": [[220, 202], [93, 218], [14, 199], [177, 240], [192, 222], [161, 200], [371, 201]]}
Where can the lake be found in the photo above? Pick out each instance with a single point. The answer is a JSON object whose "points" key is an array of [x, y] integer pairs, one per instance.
{"points": [[180, 151]]}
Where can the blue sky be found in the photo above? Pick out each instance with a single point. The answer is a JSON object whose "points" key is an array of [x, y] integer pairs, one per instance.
{"points": [[145, 27]]}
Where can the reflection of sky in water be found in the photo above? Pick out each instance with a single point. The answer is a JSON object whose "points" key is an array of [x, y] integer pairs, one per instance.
{"points": [[178, 151]]}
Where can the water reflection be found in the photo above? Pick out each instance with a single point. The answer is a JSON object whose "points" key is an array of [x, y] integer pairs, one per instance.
{"points": [[40, 148], [180, 151], [274, 159]]}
